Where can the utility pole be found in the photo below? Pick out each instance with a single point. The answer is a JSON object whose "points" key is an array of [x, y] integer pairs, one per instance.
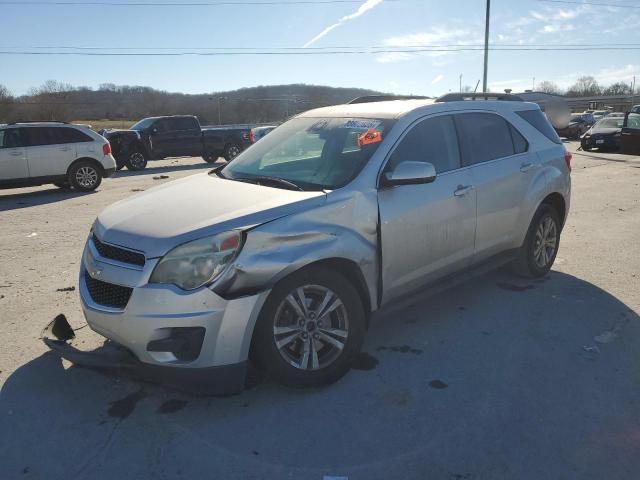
{"points": [[460, 83], [533, 85], [220, 109], [633, 91], [486, 48]]}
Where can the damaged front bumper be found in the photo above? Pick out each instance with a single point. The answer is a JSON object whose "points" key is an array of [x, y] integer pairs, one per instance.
{"points": [[220, 380]]}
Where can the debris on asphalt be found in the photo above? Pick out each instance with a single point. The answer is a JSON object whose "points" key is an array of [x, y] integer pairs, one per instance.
{"points": [[591, 349], [171, 406], [606, 337], [124, 407], [438, 384], [33, 234], [400, 349], [137, 189], [66, 289], [161, 177]]}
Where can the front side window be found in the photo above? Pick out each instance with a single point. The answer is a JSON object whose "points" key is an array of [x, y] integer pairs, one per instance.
{"points": [[633, 120], [143, 124], [486, 136], [433, 140], [313, 153]]}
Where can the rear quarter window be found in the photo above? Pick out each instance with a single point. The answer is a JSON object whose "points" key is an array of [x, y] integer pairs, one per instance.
{"points": [[537, 119], [71, 135]]}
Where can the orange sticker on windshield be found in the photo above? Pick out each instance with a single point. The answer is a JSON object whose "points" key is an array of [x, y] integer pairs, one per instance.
{"points": [[370, 136]]}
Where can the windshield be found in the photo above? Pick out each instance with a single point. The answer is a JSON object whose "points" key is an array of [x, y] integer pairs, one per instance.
{"points": [[313, 153], [611, 122], [142, 124]]}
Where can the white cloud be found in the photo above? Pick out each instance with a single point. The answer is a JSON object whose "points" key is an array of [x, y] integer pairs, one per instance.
{"points": [[438, 79], [365, 7], [433, 38], [555, 28]]}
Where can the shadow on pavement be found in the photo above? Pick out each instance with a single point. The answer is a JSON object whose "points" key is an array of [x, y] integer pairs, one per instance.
{"points": [[172, 167], [497, 378], [14, 201]]}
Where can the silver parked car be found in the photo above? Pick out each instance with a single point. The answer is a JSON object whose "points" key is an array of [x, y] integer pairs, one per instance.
{"points": [[282, 254]]}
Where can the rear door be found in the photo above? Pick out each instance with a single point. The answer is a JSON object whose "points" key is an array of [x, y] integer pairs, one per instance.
{"points": [[48, 152], [502, 168], [188, 137], [630, 135], [427, 231], [13, 155]]}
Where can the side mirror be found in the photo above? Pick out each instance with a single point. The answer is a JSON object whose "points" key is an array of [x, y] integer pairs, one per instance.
{"points": [[410, 173]]}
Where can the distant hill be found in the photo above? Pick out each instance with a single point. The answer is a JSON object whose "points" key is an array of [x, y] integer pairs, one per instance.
{"points": [[262, 104]]}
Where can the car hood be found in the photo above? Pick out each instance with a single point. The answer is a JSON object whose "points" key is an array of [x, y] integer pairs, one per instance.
{"points": [[163, 217], [604, 131]]}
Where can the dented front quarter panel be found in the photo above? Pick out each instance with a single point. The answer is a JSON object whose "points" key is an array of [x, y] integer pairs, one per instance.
{"points": [[344, 227]]}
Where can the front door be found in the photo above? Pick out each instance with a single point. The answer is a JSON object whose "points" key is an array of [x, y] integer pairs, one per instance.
{"points": [[427, 231], [13, 156]]}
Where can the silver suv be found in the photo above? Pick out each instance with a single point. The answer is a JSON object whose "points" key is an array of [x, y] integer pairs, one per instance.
{"points": [[67, 155], [282, 255]]}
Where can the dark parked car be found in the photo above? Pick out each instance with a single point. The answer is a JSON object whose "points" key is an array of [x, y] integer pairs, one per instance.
{"points": [[156, 138], [578, 125], [605, 134]]}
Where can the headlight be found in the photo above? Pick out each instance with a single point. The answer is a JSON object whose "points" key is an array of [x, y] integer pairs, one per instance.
{"points": [[194, 264]]}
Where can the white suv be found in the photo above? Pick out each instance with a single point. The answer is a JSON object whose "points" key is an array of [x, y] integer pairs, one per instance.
{"points": [[53, 152]]}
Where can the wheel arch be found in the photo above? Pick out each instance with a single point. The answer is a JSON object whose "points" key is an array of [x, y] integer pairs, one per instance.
{"points": [[93, 161], [557, 201]]}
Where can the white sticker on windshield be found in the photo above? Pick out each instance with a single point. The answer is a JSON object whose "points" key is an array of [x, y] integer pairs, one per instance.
{"points": [[360, 124]]}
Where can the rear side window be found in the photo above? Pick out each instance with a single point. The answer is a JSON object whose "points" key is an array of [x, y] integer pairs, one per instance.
{"points": [[185, 124], [485, 136], [433, 140], [520, 144], [537, 119], [38, 136], [71, 135]]}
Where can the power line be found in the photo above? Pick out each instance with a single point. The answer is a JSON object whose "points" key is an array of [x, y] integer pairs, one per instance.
{"points": [[317, 52], [335, 47], [597, 4], [181, 4]]}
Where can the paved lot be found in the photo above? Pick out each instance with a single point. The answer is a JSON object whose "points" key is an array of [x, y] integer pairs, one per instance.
{"points": [[496, 378]]}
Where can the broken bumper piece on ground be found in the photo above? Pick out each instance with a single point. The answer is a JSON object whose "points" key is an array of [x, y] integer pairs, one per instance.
{"points": [[223, 380]]}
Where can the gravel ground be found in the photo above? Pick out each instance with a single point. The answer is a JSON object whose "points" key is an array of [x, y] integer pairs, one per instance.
{"points": [[498, 377]]}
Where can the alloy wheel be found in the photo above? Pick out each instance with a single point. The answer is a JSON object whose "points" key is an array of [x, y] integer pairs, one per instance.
{"points": [[546, 242], [136, 159], [311, 327], [86, 176]]}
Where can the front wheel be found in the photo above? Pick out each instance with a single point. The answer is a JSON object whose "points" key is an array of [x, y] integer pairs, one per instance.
{"points": [[310, 328], [541, 244], [210, 157], [84, 176]]}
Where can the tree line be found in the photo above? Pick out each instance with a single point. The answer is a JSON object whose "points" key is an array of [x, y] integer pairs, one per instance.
{"points": [[264, 104], [587, 86]]}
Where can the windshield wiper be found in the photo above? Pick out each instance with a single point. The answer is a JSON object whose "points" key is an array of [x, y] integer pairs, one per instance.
{"points": [[272, 180]]}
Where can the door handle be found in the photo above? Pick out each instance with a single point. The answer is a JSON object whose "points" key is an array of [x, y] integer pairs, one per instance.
{"points": [[525, 167], [463, 190]]}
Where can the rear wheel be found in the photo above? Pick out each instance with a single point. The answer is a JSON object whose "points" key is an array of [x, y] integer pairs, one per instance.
{"points": [[84, 176], [231, 151], [136, 160], [541, 244], [310, 328]]}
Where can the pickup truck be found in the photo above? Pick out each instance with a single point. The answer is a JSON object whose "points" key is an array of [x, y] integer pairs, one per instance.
{"points": [[155, 138]]}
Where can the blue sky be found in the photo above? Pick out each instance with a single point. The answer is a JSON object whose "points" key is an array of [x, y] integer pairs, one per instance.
{"points": [[366, 23]]}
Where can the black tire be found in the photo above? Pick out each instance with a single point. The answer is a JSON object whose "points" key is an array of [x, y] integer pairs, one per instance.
{"points": [[210, 157], [120, 164], [62, 185], [528, 262], [84, 176], [136, 160], [231, 151], [268, 357]]}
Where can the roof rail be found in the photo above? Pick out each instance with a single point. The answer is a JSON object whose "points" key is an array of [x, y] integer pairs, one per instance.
{"points": [[459, 97], [36, 121], [384, 98]]}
